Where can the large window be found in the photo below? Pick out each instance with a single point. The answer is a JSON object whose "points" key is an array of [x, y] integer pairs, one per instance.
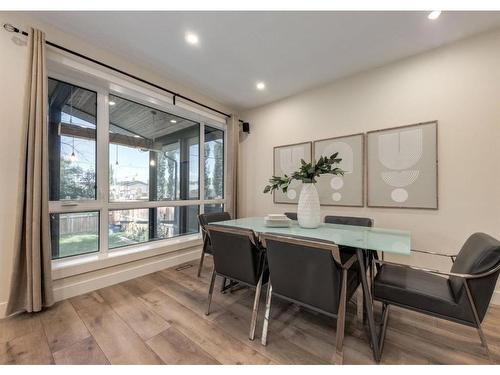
{"points": [[124, 173]]}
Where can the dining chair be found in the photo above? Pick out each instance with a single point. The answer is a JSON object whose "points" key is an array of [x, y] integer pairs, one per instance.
{"points": [[463, 296], [361, 222], [349, 220], [291, 215], [204, 220], [313, 274], [238, 257]]}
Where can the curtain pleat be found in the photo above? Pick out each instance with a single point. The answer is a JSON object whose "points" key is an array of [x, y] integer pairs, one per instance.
{"points": [[233, 137], [31, 281]]}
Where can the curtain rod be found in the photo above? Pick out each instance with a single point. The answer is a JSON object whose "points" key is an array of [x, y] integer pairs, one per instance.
{"points": [[12, 29]]}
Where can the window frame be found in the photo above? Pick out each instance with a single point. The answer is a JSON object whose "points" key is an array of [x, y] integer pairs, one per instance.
{"points": [[87, 76]]}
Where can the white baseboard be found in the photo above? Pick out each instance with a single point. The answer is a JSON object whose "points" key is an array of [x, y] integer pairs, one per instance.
{"points": [[80, 284]]}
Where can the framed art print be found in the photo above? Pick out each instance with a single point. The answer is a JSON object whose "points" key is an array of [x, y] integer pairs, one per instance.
{"points": [[346, 190], [403, 166]]}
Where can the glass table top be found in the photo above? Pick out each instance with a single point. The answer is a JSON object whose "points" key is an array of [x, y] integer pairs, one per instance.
{"points": [[380, 239]]}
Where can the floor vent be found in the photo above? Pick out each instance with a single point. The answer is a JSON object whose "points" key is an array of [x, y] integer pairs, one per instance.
{"points": [[185, 267]]}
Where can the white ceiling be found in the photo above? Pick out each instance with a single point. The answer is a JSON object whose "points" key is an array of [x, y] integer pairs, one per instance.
{"points": [[290, 51]]}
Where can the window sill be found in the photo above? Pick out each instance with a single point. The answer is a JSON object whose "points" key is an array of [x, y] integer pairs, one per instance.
{"points": [[63, 268]]}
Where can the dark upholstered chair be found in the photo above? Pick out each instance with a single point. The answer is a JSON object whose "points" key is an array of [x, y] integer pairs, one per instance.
{"points": [[291, 215], [462, 297], [349, 220], [204, 220], [313, 274], [238, 256], [361, 222]]}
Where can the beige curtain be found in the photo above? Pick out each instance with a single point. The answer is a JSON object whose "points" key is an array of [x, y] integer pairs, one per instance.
{"points": [[233, 137], [31, 282]]}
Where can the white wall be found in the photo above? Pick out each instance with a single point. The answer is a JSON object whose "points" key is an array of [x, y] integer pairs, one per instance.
{"points": [[458, 85], [13, 64]]}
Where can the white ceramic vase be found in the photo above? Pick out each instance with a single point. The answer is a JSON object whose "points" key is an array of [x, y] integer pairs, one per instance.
{"points": [[308, 212]]}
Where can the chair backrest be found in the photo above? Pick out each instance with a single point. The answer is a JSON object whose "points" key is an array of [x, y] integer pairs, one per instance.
{"points": [[213, 217], [304, 271], [349, 220], [479, 254], [237, 253], [291, 215]]}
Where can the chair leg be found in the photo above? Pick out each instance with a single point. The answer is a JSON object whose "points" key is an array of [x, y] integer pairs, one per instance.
{"points": [[482, 337], [339, 352], [210, 291], [385, 320], [224, 287], [201, 261], [484, 343], [266, 315], [255, 309]]}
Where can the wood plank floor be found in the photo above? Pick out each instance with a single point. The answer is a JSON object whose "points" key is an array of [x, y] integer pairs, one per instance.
{"points": [[159, 318]]}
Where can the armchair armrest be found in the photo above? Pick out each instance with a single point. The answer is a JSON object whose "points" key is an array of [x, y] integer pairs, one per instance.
{"points": [[434, 253], [461, 275]]}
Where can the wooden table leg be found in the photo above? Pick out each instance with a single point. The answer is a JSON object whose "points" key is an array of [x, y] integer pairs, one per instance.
{"points": [[368, 305]]}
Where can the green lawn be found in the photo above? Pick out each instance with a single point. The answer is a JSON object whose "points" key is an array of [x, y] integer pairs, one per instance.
{"points": [[74, 244]]}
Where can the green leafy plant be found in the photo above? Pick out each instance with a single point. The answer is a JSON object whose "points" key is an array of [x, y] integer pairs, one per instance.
{"points": [[307, 173]]}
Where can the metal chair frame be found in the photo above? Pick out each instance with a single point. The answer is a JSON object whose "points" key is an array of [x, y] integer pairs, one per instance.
{"points": [[206, 239], [340, 316], [463, 276], [258, 287]]}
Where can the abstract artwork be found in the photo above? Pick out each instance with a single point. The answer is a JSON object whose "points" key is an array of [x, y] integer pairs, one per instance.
{"points": [[286, 161], [402, 167], [346, 190]]}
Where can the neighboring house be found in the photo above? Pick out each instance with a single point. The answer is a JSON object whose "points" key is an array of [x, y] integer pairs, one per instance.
{"points": [[131, 190]]}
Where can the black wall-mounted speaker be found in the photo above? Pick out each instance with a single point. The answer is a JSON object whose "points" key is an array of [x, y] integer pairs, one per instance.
{"points": [[246, 127]]}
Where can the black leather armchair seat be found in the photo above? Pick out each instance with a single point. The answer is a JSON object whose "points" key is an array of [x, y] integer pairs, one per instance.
{"points": [[421, 291]]}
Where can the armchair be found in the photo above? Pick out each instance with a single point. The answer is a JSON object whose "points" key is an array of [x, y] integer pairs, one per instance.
{"points": [[463, 296]]}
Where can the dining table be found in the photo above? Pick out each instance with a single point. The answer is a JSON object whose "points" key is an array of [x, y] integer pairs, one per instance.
{"points": [[365, 241]]}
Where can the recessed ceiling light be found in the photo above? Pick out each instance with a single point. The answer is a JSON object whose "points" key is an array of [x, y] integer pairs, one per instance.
{"points": [[260, 86], [137, 136], [434, 15], [192, 38], [112, 103], [173, 121]]}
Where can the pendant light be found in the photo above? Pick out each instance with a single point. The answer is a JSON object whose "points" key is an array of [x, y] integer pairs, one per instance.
{"points": [[152, 161], [72, 157]]}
